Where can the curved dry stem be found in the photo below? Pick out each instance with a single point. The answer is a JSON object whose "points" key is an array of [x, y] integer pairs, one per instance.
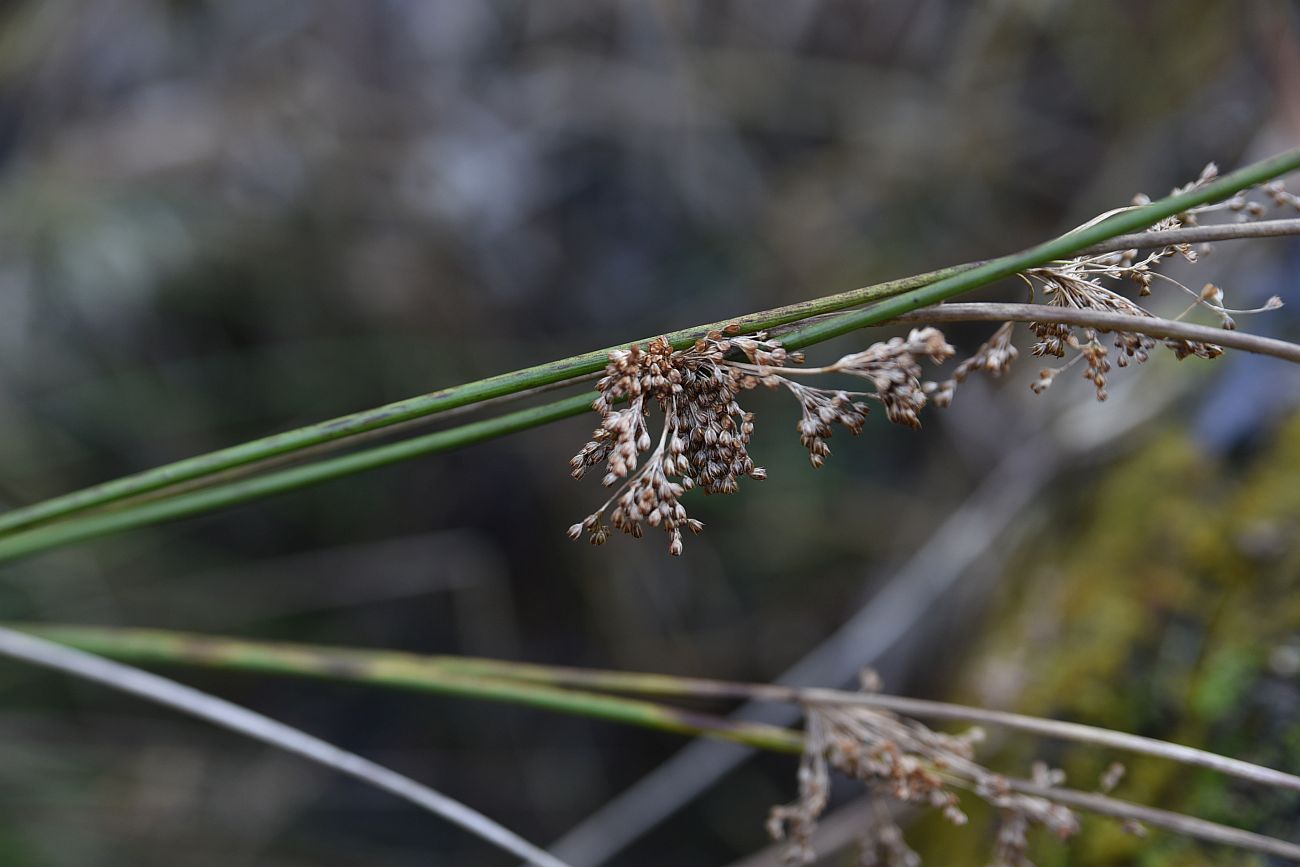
{"points": [[1196, 235], [406, 670], [1149, 325], [1178, 823], [160, 690]]}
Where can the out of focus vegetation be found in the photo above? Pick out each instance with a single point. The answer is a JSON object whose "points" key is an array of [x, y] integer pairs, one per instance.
{"points": [[218, 220]]}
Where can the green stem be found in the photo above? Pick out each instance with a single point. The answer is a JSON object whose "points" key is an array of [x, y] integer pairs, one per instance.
{"points": [[948, 284], [1058, 248], [423, 405], [405, 671], [61, 533]]}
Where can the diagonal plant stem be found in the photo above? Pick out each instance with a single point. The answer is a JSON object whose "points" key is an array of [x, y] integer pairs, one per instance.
{"points": [[403, 671], [546, 687], [1104, 321], [77, 529], [151, 485], [160, 690], [411, 671], [58, 534], [443, 400], [910, 293], [931, 288], [1197, 235]]}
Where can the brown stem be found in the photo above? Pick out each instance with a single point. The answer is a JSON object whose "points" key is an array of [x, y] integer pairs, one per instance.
{"points": [[1196, 235], [1149, 325], [1178, 823]]}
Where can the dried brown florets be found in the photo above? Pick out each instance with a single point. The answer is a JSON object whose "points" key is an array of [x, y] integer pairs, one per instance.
{"points": [[903, 760], [994, 357], [1077, 283], [705, 436]]}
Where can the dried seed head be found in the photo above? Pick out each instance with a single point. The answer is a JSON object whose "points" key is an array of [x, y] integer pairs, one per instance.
{"points": [[904, 760], [705, 436]]}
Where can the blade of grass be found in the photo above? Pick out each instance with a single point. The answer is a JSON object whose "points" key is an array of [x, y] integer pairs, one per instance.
{"points": [[145, 646]]}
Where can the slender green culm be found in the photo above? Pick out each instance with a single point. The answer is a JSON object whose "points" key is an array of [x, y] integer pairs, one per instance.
{"points": [[422, 406], [1059, 248], [421, 673], [923, 291], [47, 536], [406, 671], [547, 688]]}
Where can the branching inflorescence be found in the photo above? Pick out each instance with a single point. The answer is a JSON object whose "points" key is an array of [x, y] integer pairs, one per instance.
{"points": [[900, 759], [705, 435], [1078, 284]]}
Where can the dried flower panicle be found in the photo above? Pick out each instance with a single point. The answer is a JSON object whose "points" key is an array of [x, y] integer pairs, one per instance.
{"points": [[1111, 777], [884, 845], [705, 435], [1078, 283], [894, 371], [994, 357], [903, 760]]}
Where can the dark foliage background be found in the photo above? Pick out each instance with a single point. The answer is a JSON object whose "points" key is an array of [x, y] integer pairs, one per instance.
{"points": [[219, 220]]}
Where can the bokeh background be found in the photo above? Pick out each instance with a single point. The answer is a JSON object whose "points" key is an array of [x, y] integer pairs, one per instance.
{"points": [[224, 219]]}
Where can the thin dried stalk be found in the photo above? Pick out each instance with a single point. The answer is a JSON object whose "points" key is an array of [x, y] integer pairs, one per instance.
{"points": [[523, 683], [160, 690], [1196, 235], [1103, 321]]}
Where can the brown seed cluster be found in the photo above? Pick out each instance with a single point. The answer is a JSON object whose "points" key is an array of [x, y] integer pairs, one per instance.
{"points": [[994, 357], [894, 370], [1076, 284], [902, 760], [705, 436]]}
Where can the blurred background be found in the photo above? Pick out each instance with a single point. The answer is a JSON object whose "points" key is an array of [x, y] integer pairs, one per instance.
{"points": [[222, 220]]}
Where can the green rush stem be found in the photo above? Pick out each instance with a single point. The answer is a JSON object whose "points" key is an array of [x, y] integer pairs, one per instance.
{"points": [[411, 671], [404, 671], [424, 405], [1058, 248], [66, 532], [933, 288]]}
